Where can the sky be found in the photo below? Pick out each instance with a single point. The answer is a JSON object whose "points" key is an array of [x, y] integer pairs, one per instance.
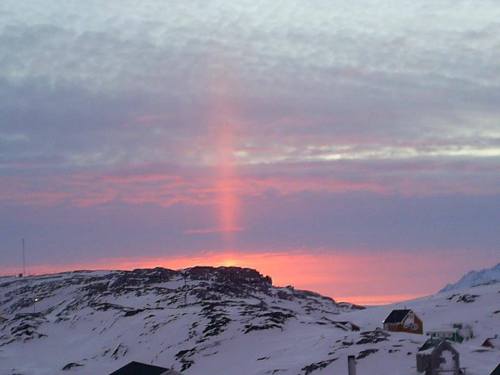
{"points": [[351, 148]]}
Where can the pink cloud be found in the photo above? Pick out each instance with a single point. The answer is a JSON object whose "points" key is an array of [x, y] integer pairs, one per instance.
{"points": [[213, 230], [166, 186]]}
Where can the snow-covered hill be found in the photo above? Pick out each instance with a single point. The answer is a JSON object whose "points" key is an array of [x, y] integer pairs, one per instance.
{"points": [[217, 321], [476, 278]]}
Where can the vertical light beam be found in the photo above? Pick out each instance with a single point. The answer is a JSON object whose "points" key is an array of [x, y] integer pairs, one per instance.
{"points": [[223, 123], [226, 180]]}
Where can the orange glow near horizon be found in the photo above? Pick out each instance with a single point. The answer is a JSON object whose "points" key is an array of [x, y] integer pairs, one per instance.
{"points": [[366, 279]]}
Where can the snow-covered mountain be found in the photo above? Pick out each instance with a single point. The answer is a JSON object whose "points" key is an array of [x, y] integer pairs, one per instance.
{"points": [[217, 321], [476, 278]]}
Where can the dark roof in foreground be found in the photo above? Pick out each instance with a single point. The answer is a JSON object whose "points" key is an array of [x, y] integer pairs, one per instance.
{"points": [[396, 316], [430, 343], [137, 368], [496, 371]]}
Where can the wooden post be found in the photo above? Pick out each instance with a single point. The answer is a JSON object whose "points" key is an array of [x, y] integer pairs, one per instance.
{"points": [[351, 365]]}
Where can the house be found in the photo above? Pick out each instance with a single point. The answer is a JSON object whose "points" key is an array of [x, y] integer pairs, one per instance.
{"points": [[438, 357], [137, 368], [464, 330], [450, 335], [492, 342], [403, 321], [458, 332], [496, 371]]}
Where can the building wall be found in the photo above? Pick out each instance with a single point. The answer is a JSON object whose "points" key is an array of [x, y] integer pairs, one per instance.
{"points": [[399, 327], [423, 362], [438, 355], [432, 363]]}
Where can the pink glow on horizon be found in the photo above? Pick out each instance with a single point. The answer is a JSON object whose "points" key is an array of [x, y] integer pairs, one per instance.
{"points": [[363, 278]]}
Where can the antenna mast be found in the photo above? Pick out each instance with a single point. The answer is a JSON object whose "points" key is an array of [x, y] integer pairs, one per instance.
{"points": [[185, 287], [24, 259]]}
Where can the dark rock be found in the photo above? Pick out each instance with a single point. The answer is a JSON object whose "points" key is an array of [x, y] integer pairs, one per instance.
{"points": [[184, 356], [317, 366], [467, 298], [140, 278], [71, 365], [373, 337], [366, 353]]}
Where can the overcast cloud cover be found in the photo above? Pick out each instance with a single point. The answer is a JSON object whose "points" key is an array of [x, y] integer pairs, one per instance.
{"points": [[364, 126]]}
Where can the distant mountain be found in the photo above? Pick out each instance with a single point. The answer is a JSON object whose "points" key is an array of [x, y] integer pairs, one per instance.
{"points": [[475, 278]]}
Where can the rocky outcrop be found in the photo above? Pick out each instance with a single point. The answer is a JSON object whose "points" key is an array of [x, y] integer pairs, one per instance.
{"points": [[202, 305]]}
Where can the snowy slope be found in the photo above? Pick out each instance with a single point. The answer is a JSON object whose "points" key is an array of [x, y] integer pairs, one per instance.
{"points": [[217, 321], [476, 278]]}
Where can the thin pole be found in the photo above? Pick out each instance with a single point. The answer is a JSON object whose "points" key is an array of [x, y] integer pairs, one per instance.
{"points": [[24, 259], [185, 288]]}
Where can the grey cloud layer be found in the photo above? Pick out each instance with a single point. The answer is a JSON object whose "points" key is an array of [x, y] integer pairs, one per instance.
{"points": [[332, 74], [107, 129], [448, 38]]}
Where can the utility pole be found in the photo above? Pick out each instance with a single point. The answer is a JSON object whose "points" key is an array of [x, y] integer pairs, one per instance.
{"points": [[185, 288], [24, 258], [351, 365]]}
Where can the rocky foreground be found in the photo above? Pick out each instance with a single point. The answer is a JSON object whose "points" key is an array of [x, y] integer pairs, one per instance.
{"points": [[218, 321], [175, 318]]}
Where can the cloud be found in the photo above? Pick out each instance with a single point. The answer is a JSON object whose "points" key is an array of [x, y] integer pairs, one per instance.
{"points": [[370, 124], [139, 86]]}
